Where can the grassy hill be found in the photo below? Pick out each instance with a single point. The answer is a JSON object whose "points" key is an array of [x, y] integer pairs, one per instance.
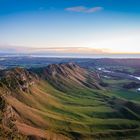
{"points": [[63, 102]]}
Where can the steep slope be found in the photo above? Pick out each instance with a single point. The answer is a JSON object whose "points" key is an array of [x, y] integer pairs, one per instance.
{"points": [[69, 76], [19, 116], [61, 103]]}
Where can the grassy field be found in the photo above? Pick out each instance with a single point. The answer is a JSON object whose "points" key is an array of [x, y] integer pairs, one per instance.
{"points": [[79, 113], [116, 87]]}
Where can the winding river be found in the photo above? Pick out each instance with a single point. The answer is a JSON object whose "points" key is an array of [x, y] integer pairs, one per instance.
{"points": [[119, 74]]}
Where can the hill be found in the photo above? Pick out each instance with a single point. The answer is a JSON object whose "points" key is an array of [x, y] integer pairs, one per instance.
{"points": [[63, 102], [68, 76]]}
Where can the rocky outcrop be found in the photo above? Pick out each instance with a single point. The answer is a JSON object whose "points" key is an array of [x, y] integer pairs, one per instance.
{"points": [[18, 78]]}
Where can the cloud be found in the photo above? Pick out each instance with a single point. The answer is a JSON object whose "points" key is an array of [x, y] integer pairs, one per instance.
{"points": [[69, 50], [50, 50], [84, 9], [94, 9], [76, 9]]}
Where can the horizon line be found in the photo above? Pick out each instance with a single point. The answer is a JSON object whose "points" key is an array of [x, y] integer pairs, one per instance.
{"points": [[94, 56]]}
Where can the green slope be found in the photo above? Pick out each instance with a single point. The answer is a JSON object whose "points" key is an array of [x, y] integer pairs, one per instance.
{"points": [[78, 112]]}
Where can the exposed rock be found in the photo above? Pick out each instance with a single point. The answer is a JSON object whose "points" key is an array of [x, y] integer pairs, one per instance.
{"points": [[18, 78]]}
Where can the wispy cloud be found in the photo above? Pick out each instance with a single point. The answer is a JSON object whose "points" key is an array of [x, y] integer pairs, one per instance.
{"points": [[51, 50], [84, 9], [72, 50]]}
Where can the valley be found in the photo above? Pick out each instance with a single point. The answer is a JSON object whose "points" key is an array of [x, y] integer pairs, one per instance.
{"points": [[66, 101]]}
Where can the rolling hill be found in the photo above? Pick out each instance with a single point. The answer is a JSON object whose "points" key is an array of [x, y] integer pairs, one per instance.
{"points": [[63, 102]]}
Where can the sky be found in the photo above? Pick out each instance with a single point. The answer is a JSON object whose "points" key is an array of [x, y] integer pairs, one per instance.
{"points": [[70, 27]]}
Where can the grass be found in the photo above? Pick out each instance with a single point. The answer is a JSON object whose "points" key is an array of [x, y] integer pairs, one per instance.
{"points": [[78, 112], [116, 88], [82, 111], [128, 94]]}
